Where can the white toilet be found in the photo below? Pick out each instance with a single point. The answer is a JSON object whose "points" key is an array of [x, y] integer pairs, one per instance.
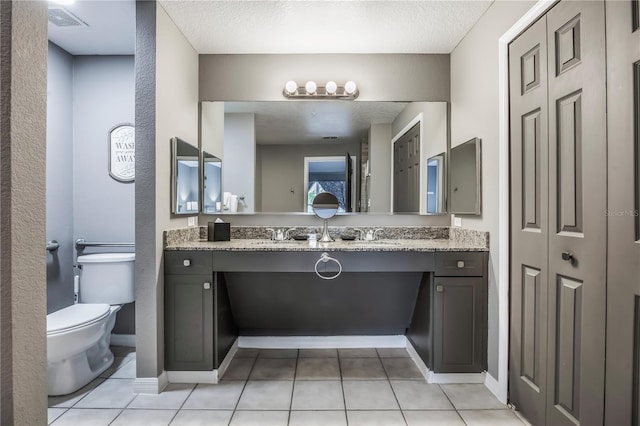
{"points": [[78, 336]]}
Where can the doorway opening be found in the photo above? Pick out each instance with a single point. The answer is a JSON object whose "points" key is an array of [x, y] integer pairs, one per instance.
{"points": [[333, 174]]}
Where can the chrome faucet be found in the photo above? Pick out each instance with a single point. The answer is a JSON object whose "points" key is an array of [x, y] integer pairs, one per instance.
{"points": [[279, 235], [273, 233], [370, 235], [287, 233]]}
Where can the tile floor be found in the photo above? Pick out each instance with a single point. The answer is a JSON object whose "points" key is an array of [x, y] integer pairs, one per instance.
{"points": [[286, 387]]}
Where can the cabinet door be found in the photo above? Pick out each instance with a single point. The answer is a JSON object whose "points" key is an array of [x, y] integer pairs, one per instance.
{"points": [[458, 314], [188, 322]]}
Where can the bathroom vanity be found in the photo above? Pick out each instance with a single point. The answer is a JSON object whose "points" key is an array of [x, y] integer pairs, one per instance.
{"points": [[433, 290]]}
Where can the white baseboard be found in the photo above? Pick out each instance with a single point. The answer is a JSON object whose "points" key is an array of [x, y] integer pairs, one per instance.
{"points": [[210, 376], [153, 385], [450, 378], [227, 359], [492, 384], [321, 342], [424, 370], [128, 340]]}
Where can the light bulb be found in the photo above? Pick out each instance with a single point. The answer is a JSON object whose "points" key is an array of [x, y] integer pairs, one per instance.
{"points": [[310, 87], [291, 87], [331, 88], [350, 87]]}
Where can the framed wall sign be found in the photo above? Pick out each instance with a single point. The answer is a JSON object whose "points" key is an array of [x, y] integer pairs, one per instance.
{"points": [[122, 152]]}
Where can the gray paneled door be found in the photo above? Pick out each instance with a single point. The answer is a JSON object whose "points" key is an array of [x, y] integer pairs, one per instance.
{"points": [[529, 222], [623, 241], [571, 295]]}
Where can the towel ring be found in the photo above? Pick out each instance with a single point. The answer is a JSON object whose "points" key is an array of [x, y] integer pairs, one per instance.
{"points": [[324, 257]]}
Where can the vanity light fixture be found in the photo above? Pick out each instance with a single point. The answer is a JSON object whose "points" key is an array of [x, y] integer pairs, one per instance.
{"points": [[311, 90]]}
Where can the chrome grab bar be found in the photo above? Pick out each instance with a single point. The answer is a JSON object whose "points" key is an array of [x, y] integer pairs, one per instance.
{"points": [[82, 243], [52, 245]]}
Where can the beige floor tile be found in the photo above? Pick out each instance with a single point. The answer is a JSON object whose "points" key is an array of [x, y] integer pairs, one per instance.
{"points": [[273, 369], [172, 397], [375, 418], [317, 418], [392, 352], [433, 418], [71, 399], [112, 393], [357, 353], [419, 395], [362, 368], [202, 418], [54, 413], [260, 418], [86, 417], [369, 395], [130, 417], [224, 395], [239, 369], [318, 369], [317, 395], [490, 418], [266, 395], [401, 368], [318, 353], [127, 371], [472, 397]]}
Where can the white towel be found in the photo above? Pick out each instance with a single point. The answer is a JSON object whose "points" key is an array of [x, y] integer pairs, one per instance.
{"points": [[233, 206], [227, 200]]}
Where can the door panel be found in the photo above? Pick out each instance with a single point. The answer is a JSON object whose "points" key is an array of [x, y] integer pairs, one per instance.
{"points": [[623, 257], [529, 222], [577, 200]]}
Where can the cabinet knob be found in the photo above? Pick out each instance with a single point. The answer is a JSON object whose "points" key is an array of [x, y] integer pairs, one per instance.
{"points": [[440, 288], [186, 262], [460, 264], [567, 255], [207, 286]]}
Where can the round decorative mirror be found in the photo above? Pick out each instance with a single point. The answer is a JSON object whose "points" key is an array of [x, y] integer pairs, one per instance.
{"points": [[325, 206]]}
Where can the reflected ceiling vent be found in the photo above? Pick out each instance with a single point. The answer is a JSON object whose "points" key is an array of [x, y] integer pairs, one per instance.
{"points": [[329, 138], [64, 19]]}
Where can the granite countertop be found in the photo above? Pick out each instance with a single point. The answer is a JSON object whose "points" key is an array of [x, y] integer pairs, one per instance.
{"points": [[389, 245]]}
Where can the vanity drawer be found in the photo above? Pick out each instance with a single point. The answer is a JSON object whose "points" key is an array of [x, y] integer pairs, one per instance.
{"points": [[189, 262], [460, 264]]}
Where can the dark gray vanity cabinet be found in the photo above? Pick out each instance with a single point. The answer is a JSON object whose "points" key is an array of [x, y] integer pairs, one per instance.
{"points": [[199, 327], [460, 312], [449, 325]]}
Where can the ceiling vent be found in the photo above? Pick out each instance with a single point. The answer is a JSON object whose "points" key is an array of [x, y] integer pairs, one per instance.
{"points": [[64, 19]]}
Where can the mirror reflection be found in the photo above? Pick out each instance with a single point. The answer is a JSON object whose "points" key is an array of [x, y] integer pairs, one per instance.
{"points": [[211, 183], [435, 184], [278, 155], [185, 177], [466, 178]]}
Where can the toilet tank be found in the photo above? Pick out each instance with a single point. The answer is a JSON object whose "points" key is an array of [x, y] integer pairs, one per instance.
{"points": [[107, 278]]}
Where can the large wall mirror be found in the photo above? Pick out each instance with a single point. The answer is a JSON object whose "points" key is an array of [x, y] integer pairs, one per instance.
{"points": [[211, 183], [185, 177], [466, 178], [277, 156]]}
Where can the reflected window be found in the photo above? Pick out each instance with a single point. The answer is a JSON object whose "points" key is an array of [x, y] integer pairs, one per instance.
{"points": [[329, 174]]}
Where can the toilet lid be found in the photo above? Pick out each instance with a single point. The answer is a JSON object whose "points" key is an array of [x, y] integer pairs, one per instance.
{"points": [[76, 315]]}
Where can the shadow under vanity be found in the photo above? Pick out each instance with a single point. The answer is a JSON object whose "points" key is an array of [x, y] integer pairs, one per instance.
{"points": [[426, 283]]}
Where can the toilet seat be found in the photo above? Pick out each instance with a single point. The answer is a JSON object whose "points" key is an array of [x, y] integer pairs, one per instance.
{"points": [[76, 316]]}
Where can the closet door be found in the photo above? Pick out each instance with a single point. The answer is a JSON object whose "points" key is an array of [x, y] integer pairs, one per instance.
{"points": [[577, 223], [529, 222], [623, 242]]}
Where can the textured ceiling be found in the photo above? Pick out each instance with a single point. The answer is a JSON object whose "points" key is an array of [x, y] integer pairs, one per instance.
{"points": [[291, 27], [294, 122], [110, 28]]}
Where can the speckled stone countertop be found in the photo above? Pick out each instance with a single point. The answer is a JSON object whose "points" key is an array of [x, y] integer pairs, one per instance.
{"points": [[392, 239]]}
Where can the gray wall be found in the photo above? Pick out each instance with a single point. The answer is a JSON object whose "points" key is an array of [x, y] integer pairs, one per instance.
{"points": [[240, 159], [380, 167], [166, 106], [399, 77], [23, 107], [474, 112], [59, 206], [282, 169], [103, 208]]}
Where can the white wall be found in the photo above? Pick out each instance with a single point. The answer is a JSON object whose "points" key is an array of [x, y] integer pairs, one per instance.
{"points": [[474, 112], [238, 168], [380, 167], [212, 129]]}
